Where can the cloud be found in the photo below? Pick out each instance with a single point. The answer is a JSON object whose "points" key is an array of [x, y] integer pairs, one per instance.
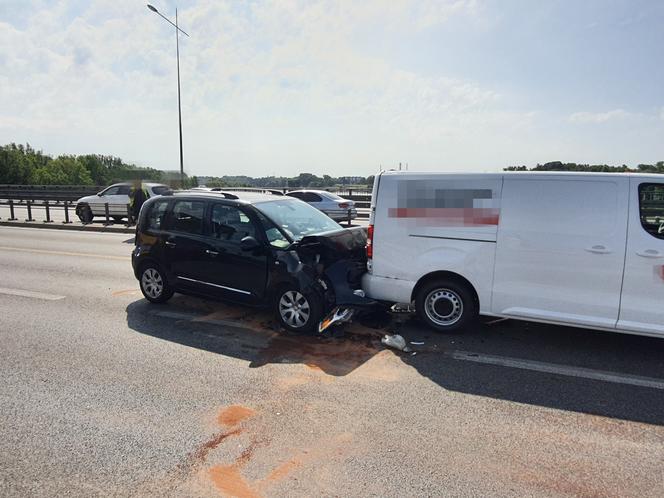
{"points": [[599, 117]]}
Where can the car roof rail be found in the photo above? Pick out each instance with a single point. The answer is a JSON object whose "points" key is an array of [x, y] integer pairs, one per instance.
{"points": [[256, 190], [227, 195]]}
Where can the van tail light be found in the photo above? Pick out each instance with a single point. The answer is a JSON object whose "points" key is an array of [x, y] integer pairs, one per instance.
{"points": [[370, 233], [344, 205]]}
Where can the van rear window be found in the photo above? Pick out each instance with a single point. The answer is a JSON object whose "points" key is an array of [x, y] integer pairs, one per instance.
{"points": [[651, 208]]}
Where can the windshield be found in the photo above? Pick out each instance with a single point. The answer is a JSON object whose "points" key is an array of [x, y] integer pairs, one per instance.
{"points": [[297, 218]]}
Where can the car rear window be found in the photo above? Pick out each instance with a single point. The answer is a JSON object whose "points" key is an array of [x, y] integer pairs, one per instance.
{"points": [[160, 190], [187, 217], [156, 215], [651, 208]]}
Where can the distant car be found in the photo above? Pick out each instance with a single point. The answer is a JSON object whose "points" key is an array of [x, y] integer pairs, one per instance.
{"points": [[335, 207], [117, 197]]}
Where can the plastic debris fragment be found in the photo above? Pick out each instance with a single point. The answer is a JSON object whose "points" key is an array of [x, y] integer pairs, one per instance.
{"points": [[395, 341]]}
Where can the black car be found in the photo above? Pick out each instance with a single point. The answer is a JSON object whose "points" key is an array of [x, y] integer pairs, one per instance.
{"points": [[252, 248]]}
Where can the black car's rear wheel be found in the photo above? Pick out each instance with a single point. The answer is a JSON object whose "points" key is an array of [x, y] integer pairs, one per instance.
{"points": [[154, 284], [298, 311]]}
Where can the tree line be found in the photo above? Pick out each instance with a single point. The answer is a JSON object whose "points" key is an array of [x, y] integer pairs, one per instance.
{"points": [[23, 165], [658, 167]]}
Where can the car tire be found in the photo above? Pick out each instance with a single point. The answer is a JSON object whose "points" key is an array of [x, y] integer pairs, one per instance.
{"points": [[446, 305], [154, 284], [298, 311], [85, 213]]}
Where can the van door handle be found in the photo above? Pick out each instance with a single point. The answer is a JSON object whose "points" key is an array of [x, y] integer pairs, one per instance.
{"points": [[211, 253], [169, 244], [649, 253], [598, 249]]}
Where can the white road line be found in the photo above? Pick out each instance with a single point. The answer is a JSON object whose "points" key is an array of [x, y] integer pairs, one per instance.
{"points": [[34, 295], [553, 368], [65, 253]]}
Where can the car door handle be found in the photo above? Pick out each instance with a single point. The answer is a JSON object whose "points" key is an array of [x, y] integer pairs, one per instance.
{"points": [[169, 244], [598, 249], [649, 253], [211, 253]]}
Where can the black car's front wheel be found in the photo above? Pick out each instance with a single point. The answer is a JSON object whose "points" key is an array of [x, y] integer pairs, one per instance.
{"points": [[298, 311], [154, 285]]}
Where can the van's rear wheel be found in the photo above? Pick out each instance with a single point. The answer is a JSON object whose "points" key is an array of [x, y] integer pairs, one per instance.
{"points": [[445, 305]]}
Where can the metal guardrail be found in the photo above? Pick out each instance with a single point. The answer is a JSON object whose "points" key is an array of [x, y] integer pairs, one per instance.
{"points": [[69, 193], [66, 206], [57, 193]]}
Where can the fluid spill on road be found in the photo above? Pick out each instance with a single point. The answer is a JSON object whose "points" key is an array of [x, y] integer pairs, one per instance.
{"points": [[125, 292], [229, 480], [234, 414]]}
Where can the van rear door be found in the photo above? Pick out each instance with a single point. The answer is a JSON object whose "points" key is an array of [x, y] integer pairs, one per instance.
{"points": [[561, 248], [642, 304]]}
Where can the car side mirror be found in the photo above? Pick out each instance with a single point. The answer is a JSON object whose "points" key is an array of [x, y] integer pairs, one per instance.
{"points": [[249, 243]]}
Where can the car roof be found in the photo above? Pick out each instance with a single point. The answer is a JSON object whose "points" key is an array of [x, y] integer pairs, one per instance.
{"points": [[240, 197]]}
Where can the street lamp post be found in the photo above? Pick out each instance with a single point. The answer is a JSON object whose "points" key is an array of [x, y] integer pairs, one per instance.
{"points": [[178, 30]]}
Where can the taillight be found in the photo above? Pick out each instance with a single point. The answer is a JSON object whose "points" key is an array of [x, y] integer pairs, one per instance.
{"points": [[344, 205], [370, 241]]}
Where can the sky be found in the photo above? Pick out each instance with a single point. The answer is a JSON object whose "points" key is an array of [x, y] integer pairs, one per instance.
{"points": [[337, 87]]}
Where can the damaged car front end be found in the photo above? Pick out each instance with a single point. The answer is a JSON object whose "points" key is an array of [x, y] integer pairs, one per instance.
{"points": [[330, 265]]}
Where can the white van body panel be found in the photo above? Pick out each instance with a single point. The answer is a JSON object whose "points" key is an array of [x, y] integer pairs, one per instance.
{"points": [[561, 248], [642, 305]]}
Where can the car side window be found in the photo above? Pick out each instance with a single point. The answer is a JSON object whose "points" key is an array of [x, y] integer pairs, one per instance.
{"points": [[156, 215], [123, 190], [230, 223], [651, 208], [297, 195], [111, 191], [274, 236], [314, 197], [187, 217]]}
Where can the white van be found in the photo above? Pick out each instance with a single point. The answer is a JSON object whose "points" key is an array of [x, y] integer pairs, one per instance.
{"points": [[582, 249]]}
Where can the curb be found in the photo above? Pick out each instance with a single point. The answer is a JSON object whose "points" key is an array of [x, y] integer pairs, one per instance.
{"points": [[62, 226]]}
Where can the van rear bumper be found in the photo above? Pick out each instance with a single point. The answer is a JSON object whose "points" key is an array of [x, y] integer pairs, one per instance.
{"points": [[393, 290]]}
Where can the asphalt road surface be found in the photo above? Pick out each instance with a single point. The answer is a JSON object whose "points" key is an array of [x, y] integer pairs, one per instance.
{"points": [[105, 394]]}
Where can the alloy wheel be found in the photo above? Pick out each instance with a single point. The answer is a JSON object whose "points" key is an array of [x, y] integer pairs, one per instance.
{"points": [[294, 309]]}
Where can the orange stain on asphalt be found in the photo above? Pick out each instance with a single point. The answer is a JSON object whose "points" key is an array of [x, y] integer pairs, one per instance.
{"points": [[234, 414], [229, 480], [125, 292], [283, 470]]}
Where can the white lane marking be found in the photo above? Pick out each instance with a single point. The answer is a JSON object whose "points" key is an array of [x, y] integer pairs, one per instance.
{"points": [[26, 293], [553, 368]]}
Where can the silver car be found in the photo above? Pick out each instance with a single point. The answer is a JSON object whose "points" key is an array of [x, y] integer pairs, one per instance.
{"points": [[335, 207], [117, 198]]}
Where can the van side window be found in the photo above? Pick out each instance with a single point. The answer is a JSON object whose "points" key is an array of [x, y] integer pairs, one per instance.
{"points": [[155, 218], [229, 223], [187, 217], [651, 208]]}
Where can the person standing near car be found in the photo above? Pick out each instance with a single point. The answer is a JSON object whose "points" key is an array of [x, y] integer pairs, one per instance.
{"points": [[137, 196]]}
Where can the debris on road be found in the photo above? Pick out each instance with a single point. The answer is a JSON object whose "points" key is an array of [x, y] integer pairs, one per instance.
{"points": [[395, 341]]}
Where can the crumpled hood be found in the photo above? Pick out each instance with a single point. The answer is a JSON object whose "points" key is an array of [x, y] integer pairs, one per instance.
{"points": [[346, 243]]}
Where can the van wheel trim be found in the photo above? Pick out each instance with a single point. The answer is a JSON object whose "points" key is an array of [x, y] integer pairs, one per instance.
{"points": [[152, 283], [443, 307], [294, 309]]}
